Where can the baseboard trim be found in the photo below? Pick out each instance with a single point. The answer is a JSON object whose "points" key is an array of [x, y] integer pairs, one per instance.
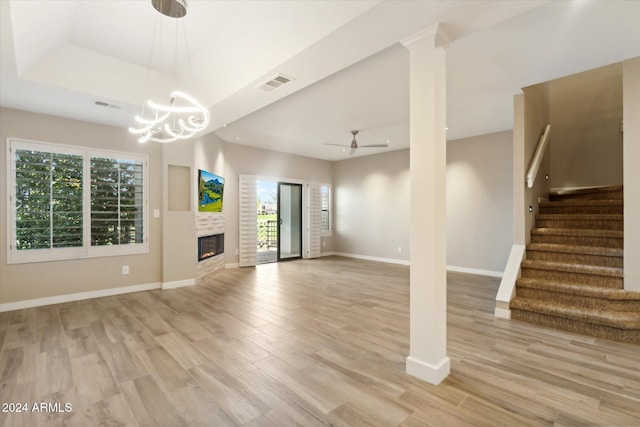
{"points": [[58, 299], [322, 254], [433, 374], [477, 271], [373, 258], [232, 265], [178, 284], [502, 313]]}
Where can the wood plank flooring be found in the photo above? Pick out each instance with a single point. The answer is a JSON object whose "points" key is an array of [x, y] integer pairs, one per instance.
{"points": [[309, 343]]}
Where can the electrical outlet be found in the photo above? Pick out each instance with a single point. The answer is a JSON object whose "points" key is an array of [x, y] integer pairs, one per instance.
{"points": [[125, 269], [399, 249], [156, 213]]}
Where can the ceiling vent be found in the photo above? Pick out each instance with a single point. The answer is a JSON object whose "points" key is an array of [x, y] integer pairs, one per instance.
{"points": [[275, 82], [106, 104]]}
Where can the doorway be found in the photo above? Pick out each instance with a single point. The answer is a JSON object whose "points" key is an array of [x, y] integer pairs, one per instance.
{"points": [[289, 221], [279, 221]]}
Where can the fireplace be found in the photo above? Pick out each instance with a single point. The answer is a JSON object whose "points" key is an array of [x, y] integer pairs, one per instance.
{"points": [[210, 246]]}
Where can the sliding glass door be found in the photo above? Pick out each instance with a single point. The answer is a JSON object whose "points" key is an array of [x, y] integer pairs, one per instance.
{"points": [[289, 221]]}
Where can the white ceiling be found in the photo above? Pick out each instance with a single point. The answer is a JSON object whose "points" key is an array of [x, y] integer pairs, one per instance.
{"points": [[59, 57]]}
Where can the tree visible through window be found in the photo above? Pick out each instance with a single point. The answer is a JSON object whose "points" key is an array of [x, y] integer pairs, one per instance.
{"points": [[48, 200], [68, 202], [116, 202]]}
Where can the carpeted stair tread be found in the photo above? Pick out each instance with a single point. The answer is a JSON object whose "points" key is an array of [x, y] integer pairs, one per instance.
{"points": [[579, 289], [588, 191], [579, 202], [574, 268], [578, 327], [576, 249], [597, 193], [578, 236], [578, 232], [617, 319], [584, 221], [573, 277], [576, 217], [579, 206]]}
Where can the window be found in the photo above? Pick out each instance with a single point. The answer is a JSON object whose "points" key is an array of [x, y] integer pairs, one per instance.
{"points": [[117, 201], [325, 194], [48, 200], [71, 202]]}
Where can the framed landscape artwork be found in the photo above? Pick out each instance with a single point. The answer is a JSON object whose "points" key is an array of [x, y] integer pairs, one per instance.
{"points": [[210, 189]]}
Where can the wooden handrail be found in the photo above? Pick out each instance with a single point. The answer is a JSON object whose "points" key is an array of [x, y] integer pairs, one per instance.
{"points": [[532, 173]]}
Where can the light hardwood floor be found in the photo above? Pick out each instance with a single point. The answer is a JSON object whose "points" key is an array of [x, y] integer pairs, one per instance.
{"points": [[311, 343]]}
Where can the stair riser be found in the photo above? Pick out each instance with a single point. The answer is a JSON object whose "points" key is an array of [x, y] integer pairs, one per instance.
{"points": [[605, 242], [591, 224], [618, 210], [564, 276], [607, 332], [572, 258], [578, 300]]}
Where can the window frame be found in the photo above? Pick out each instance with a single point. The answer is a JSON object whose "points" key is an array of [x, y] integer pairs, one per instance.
{"points": [[329, 232], [15, 256]]}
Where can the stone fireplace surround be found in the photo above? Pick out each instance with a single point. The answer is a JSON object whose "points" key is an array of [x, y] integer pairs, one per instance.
{"points": [[208, 224]]}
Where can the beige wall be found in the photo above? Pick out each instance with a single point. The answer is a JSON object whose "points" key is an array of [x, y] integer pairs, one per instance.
{"points": [[244, 160], [178, 226], [45, 279], [479, 201], [372, 206], [586, 112], [537, 115]]}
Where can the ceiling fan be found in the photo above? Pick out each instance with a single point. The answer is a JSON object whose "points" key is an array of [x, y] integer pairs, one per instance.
{"points": [[354, 144]]}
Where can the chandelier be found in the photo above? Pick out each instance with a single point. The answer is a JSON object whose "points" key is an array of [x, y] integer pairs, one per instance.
{"points": [[183, 116]]}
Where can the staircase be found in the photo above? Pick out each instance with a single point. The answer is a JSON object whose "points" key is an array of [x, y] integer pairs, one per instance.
{"points": [[572, 278]]}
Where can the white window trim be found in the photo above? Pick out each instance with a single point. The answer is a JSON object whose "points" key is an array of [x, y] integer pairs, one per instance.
{"points": [[86, 250]]}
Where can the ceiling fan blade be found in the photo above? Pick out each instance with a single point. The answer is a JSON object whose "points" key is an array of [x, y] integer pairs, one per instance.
{"points": [[354, 144]]}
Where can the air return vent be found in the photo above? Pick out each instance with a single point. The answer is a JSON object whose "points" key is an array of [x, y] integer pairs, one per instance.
{"points": [[106, 104], [275, 82]]}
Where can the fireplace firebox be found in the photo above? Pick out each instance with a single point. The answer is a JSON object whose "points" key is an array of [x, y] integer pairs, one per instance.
{"points": [[210, 246]]}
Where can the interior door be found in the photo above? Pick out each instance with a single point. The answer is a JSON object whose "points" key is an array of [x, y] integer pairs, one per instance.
{"points": [[289, 221]]}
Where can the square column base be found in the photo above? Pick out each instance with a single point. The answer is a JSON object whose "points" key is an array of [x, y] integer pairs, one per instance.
{"points": [[433, 374]]}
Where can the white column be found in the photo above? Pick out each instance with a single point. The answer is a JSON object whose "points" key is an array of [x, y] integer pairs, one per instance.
{"points": [[631, 152], [427, 358]]}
